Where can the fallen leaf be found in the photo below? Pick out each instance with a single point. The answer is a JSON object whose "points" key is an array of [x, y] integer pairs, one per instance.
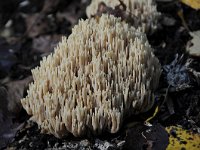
{"points": [[15, 92], [194, 50], [50, 5], [182, 139], [45, 44], [195, 4], [182, 17], [71, 12], [7, 56], [38, 24], [154, 114], [8, 128], [10, 107], [3, 103], [8, 131], [69, 16], [144, 137]]}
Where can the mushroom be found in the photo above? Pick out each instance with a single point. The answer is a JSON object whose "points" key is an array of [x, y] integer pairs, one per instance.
{"points": [[139, 13], [104, 71]]}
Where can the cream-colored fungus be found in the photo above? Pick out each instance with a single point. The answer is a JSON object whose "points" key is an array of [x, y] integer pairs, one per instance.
{"points": [[143, 13], [105, 70]]}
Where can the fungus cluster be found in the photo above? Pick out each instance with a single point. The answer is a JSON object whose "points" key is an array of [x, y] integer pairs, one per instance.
{"points": [[105, 70], [140, 13]]}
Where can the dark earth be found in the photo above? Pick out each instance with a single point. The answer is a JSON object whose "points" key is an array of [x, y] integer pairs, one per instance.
{"points": [[30, 29]]}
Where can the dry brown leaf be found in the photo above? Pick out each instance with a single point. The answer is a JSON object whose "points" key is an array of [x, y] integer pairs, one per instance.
{"points": [[8, 128], [45, 44], [50, 5], [10, 107], [38, 24], [192, 3], [15, 92]]}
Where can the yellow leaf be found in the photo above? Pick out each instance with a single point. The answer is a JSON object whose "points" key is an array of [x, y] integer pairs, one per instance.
{"points": [[182, 139], [146, 122], [192, 3]]}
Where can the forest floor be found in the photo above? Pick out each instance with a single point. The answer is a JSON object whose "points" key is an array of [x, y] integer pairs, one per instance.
{"points": [[30, 29]]}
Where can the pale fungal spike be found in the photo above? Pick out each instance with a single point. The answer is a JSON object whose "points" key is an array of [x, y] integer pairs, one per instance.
{"points": [[141, 13], [103, 72]]}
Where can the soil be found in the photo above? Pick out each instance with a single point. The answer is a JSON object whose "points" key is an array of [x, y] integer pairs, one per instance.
{"points": [[26, 29]]}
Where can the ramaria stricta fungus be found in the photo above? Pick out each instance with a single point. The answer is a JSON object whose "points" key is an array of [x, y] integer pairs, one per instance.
{"points": [[139, 13], [104, 71]]}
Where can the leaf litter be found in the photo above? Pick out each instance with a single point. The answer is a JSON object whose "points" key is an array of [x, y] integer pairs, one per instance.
{"points": [[180, 75], [194, 45]]}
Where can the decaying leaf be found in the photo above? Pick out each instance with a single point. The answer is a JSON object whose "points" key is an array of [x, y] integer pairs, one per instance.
{"points": [[177, 75], [46, 43], [38, 24], [10, 107], [8, 128], [144, 137], [7, 131], [194, 50], [7, 56], [192, 3], [182, 17], [15, 91], [50, 5], [3, 103], [182, 139]]}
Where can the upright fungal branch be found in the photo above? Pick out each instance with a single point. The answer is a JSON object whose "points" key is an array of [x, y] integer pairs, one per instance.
{"points": [[103, 72], [139, 13]]}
